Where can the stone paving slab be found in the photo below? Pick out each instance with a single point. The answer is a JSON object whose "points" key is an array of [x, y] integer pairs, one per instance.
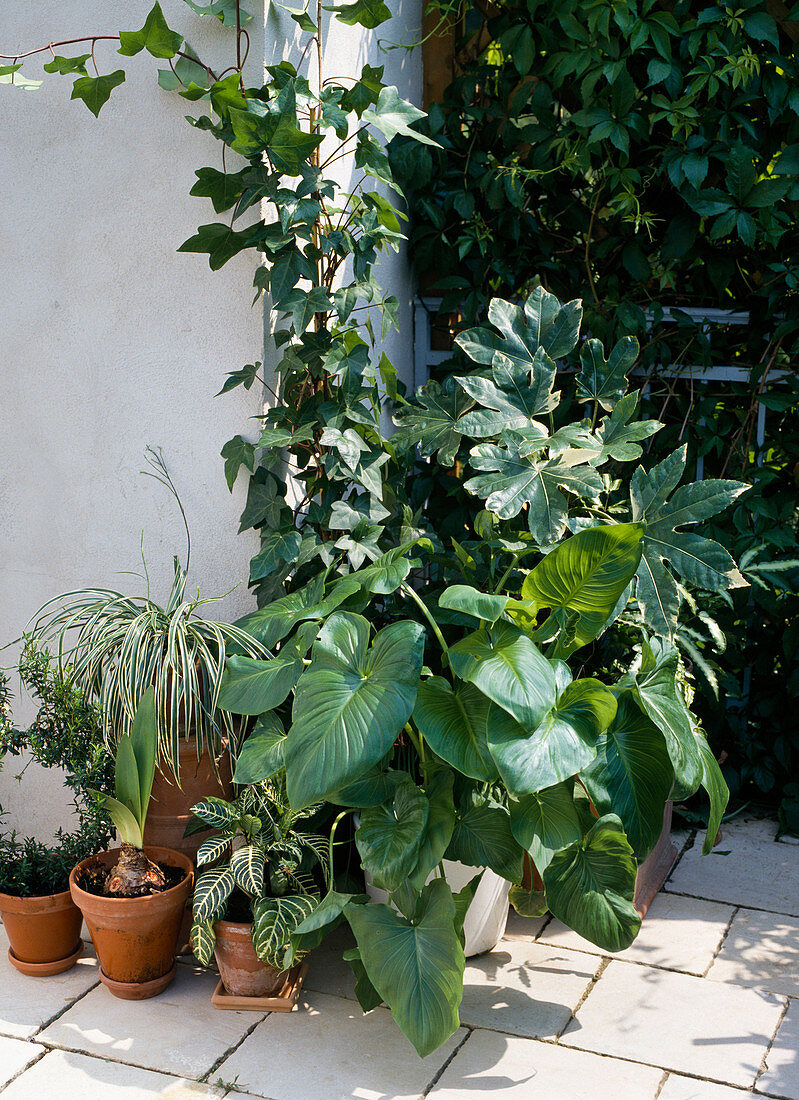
{"points": [[328, 1050], [781, 1075], [65, 1076], [491, 1065], [677, 1021], [27, 1003], [688, 1088], [179, 1031], [677, 933], [525, 988], [756, 873], [15, 1055], [761, 950]]}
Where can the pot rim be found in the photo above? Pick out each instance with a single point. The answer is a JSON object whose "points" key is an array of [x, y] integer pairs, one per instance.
{"points": [[83, 897], [24, 900]]}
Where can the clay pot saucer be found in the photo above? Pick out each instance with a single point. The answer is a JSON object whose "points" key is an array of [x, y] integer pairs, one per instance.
{"points": [[46, 969]]}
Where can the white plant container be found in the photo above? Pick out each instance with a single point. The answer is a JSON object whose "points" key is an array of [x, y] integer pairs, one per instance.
{"points": [[487, 915]]}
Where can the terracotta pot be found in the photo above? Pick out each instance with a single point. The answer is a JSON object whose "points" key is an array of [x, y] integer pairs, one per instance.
{"points": [[43, 932], [169, 811], [243, 974], [135, 938]]}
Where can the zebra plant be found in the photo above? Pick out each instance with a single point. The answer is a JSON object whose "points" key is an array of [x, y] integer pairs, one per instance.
{"points": [[259, 853]]}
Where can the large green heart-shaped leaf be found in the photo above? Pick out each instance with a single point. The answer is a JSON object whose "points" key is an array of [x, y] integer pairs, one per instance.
{"points": [[506, 666], [252, 686], [545, 822], [416, 966], [276, 620], [632, 775], [350, 704], [655, 686], [561, 746], [590, 886], [718, 792], [440, 823], [482, 837], [587, 574], [453, 723], [389, 836], [261, 756]]}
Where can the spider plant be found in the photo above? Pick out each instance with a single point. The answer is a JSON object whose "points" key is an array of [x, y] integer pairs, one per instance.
{"points": [[119, 646]]}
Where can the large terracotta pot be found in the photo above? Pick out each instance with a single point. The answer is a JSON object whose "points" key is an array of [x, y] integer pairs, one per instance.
{"points": [[243, 974], [169, 811], [43, 933], [135, 938]]}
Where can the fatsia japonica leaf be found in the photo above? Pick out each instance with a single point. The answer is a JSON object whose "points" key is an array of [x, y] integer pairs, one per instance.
{"points": [[454, 723], [514, 395], [601, 380], [389, 836], [415, 966], [251, 686], [261, 755], [247, 865], [545, 822], [431, 421], [620, 434], [482, 837], [586, 575], [273, 922], [95, 91], [590, 886], [542, 323], [211, 892], [350, 704], [698, 560], [563, 744], [513, 481], [632, 775], [392, 115], [507, 667], [659, 696], [155, 37]]}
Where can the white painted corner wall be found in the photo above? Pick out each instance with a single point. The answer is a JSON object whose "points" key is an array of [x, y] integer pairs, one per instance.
{"points": [[110, 340]]}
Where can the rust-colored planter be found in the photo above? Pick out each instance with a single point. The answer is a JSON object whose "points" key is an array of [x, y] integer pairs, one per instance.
{"points": [[135, 938], [169, 811], [243, 974], [43, 933]]}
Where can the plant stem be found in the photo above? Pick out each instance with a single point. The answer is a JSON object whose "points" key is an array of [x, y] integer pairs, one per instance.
{"points": [[406, 588], [517, 557], [333, 828]]}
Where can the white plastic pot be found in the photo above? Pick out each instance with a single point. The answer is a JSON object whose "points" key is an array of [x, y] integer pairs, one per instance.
{"points": [[487, 915]]}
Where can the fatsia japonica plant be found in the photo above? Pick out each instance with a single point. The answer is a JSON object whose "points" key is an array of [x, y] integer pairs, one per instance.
{"points": [[441, 692], [259, 867]]}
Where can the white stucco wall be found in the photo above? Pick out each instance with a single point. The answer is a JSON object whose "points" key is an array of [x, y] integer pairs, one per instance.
{"points": [[110, 340]]}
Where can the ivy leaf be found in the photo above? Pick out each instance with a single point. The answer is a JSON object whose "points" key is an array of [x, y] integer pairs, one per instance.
{"points": [[218, 240], [223, 10], [513, 400], [289, 147], [155, 37], [605, 381], [369, 13], [620, 432], [698, 560], [542, 323], [393, 115], [244, 377], [431, 424], [222, 188], [514, 480], [277, 547], [66, 65], [237, 452], [95, 91]]}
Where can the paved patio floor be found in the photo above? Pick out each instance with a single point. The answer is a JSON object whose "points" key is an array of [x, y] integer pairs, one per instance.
{"points": [[704, 1006]]}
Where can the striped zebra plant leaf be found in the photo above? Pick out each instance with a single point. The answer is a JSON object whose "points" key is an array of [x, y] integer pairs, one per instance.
{"points": [[247, 865], [210, 850], [203, 941], [274, 920], [213, 888], [215, 812]]}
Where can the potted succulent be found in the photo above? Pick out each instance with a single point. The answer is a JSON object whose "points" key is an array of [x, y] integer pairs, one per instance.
{"points": [[41, 921], [120, 645], [444, 696], [133, 898], [260, 877]]}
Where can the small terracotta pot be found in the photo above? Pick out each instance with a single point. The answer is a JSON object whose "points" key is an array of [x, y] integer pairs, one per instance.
{"points": [[243, 974], [135, 938], [43, 932], [169, 811]]}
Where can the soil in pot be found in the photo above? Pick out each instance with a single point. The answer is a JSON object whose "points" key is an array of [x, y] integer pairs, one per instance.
{"points": [[169, 811], [135, 938], [43, 932]]}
